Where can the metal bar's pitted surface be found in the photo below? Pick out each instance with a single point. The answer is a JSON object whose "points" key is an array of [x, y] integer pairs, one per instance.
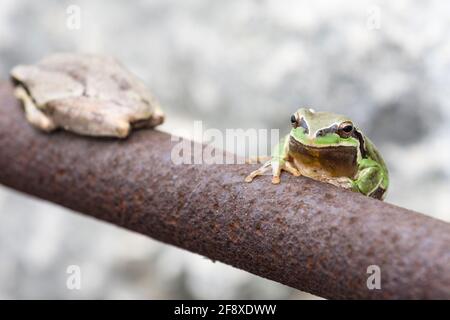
{"points": [[305, 234]]}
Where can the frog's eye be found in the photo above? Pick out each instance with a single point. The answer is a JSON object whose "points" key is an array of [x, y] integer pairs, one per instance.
{"points": [[345, 129], [294, 121]]}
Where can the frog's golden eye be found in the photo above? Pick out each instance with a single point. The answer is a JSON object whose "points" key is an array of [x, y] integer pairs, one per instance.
{"points": [[345, 129]]}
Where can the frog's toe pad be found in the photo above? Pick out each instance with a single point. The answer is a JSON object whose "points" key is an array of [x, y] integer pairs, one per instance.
{"points": [[248, 179], [276, 180], [296, 173]]}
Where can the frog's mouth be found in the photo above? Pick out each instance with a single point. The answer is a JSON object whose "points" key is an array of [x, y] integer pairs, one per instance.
{"points": [[338, 160]]}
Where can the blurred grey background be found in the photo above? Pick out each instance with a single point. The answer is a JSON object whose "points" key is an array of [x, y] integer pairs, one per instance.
{"points": [[232, 64]]}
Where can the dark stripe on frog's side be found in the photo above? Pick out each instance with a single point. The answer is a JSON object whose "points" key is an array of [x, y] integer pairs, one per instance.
{"points": [[339, 161], [358, 135]]}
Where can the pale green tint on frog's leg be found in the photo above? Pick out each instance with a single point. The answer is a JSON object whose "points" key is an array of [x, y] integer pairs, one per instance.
{"points": [[279, 156]]}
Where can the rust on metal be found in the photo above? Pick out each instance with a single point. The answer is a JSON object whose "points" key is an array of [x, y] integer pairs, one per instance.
{"points": [[302, 233]]}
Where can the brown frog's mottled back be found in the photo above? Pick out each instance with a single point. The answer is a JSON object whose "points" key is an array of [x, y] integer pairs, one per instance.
{"points": [[87, 94]]}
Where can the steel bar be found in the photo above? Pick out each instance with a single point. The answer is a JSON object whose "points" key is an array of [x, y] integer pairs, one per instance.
{"points": [[302, 233]]}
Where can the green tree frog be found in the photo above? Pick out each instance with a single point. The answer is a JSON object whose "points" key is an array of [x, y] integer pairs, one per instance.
{"points": [[328, 147]]}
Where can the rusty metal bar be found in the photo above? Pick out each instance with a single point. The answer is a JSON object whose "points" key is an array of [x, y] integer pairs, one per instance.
{"points": [[302, 233]]}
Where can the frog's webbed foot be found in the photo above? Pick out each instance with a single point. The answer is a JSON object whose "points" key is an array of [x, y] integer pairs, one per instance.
{"points": [[277, 167], [258, 172]]}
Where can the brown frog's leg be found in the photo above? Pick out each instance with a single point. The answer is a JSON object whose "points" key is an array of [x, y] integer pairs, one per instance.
{"points": [[156, 118], [35, 116]]}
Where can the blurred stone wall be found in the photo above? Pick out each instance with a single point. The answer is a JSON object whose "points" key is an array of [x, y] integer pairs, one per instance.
{"points": [[232, 64]]}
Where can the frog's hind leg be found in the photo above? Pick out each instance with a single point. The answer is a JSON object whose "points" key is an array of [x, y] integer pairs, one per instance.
{"points": [[156, 118], [259, 172]]}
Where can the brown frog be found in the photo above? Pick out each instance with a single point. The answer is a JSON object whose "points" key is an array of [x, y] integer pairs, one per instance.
{"points": [[84, 93]]}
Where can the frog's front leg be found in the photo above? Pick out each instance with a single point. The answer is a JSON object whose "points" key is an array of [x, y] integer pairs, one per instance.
{"points": [[259, 172], [279, 161], [281, 164], [35, 116]]}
